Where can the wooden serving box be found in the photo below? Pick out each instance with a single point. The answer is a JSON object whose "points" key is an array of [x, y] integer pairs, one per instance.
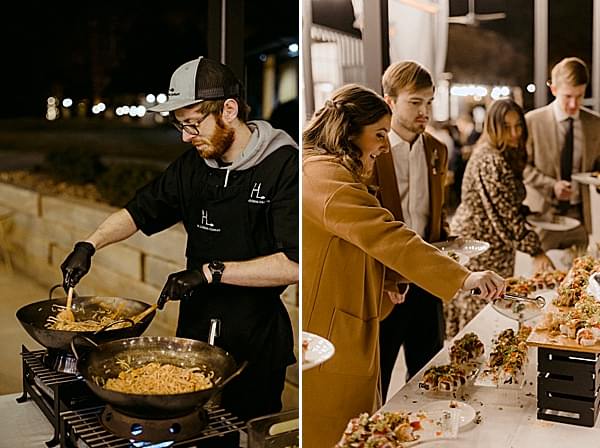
{"points": [[568, 379]]}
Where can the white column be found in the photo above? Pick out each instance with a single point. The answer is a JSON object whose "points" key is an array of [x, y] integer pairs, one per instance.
{"points": [[375, 42], [309, 94], [540, 51]]}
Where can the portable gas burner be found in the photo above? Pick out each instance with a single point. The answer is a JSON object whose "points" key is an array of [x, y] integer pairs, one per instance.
{"points": [[103, 426], [175, 429], [53, 391], [60, 361]]}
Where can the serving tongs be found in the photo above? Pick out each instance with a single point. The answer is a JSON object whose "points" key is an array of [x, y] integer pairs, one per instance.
{"points": [[539, 301]]}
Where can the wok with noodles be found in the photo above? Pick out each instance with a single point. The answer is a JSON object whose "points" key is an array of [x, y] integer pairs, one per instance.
{"points": [[156, 376], [92, 313], [160, 379], [103, 318]]}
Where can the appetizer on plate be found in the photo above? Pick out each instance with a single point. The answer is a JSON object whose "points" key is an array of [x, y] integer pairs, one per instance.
{"points": [[574, 286], [548, 280], [399, 429], [466, 349], [383, 429], [508, 358], [444, 378], [519, 286], [581, 322]]}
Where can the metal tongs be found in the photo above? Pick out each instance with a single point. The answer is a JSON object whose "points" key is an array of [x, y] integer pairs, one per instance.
{"points": [[539, 300]]}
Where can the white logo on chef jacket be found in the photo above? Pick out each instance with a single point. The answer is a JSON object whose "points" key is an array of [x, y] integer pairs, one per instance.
{"points": [[205, 224], [255, 196]]}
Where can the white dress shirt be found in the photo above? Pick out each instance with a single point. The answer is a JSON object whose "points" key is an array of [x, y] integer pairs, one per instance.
{"points": [[578, 143], [410, 166]]}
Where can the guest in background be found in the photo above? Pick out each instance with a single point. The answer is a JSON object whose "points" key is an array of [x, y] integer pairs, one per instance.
{"points": [[491, 209], [466, 137], [564, 138], [412, 180]]}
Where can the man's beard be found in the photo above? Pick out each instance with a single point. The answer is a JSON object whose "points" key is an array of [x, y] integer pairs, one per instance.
{"points": [[412, 126], [217, 144]]}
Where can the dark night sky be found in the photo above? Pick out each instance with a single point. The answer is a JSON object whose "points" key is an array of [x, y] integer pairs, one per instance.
{"points": [[569, 33], [110, 48]]}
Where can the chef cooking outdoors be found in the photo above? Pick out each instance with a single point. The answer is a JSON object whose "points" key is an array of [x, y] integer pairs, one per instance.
{"points": [[236, 192]]}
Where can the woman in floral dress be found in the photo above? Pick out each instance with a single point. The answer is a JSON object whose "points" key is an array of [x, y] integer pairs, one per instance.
{"points": [[491, 208]]}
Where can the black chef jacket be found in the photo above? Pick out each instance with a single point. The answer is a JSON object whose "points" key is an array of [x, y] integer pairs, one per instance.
{"points": [[230, 216]]}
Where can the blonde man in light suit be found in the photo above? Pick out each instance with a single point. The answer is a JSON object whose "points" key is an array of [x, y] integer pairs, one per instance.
{"points": [[547, 175], [411, 178]]}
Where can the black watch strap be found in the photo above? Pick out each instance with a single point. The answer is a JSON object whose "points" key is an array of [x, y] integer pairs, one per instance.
{"points": [[216, 269]]}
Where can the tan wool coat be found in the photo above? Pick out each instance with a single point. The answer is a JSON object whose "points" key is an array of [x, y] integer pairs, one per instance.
{"points": [[348, 238], [543, 150]]}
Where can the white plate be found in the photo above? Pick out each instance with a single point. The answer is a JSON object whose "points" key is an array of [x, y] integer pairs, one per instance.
{"points": [[319, 350], [466, 411], [472, 248], [593, 288], [467, 246], [562, 223], [586, 178], [432, 427], [486, 379]]}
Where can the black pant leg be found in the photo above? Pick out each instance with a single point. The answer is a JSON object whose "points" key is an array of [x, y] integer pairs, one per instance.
{"points": [[391, 336], [425, 329], [255, 393]]}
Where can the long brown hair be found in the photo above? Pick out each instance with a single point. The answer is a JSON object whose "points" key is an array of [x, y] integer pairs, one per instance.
{"points": [[332, 127], [494, 132]]}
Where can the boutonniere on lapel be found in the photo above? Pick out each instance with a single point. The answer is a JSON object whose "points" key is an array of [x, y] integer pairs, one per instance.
{"points": [[435, 157]]}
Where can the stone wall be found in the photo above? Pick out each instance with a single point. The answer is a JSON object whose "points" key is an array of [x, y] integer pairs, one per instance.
{"points": [[42, 230]]}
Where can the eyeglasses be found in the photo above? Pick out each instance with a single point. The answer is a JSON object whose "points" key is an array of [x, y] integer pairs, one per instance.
{"points": [[191, 129]]}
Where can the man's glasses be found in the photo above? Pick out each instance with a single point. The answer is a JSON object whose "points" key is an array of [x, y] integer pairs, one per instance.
{"points": [[191, 129]]}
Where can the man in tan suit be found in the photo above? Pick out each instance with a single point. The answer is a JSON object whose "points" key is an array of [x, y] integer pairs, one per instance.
{"points": [[564, 138], [411, 178]]}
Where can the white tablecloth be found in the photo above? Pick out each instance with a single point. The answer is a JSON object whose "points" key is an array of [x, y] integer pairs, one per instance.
{"points": [[508, 417], [22, 425]]}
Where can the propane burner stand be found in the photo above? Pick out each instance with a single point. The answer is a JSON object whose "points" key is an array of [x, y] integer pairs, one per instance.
{"points": [[52, 391], [174, 429], [83, 427]]}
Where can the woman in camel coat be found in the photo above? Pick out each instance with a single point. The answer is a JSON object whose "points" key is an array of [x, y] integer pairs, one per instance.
{"points": [[348, 238]]}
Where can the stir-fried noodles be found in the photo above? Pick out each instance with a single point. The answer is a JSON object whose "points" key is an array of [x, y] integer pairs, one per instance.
{"points": [[159, 379], [98, 320]]}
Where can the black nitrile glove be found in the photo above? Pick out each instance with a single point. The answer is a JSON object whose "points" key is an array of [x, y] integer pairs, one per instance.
{"points": [[77, 264], [180, 285]]}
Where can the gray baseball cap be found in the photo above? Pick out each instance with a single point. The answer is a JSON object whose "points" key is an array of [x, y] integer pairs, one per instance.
{"points": [[199, 80]]}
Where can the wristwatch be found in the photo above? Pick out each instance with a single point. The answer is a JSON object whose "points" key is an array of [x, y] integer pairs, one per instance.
{"points": [[216, 269]]}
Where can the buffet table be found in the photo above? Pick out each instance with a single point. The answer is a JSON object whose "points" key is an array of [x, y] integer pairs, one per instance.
{"points": [[22, 425], [508, 416]]}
